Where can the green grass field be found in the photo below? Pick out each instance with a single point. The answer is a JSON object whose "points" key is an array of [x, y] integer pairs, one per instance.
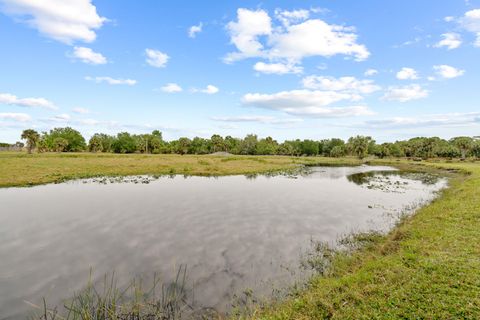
{"points": [[426, 268], [21, 169]]}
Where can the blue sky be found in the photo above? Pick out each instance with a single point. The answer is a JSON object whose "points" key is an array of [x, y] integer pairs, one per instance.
{"points": [[288, 69]]}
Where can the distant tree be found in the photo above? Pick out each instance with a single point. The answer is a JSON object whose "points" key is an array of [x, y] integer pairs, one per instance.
{"points": [[476, 148], [19, 144], [326, 146], [266, 146], [76, 142], [359, 145], [200, 146], [218, 144], [32, 137], [183, 145], [60, 144], [232, 144], [337, 151], [286, 148], [124, 143], [309, 147], [95, 143], [249, 144], [465, 144]]}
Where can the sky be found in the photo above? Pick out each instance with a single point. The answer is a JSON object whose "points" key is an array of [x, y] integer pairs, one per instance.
{"points": [[287, 69]]}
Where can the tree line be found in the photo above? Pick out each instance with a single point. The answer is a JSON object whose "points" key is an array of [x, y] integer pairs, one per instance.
{"points": [[70, 140]]}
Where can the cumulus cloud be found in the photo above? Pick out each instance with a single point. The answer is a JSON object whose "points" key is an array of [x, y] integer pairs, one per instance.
{"points": [[210, 89], [171, 88], [370, 72], [277, 68], [89, 56], [19, 117], [451, 40], [407, 74], [10, 99], [245, 33], [112, 81], [60, 118], [256, 118], [81, 110], [193, 30], [471, 22], [346, 84], [448, 72], [287, 17], [405, 93], [156, 58], [429, 120], [296, 37], [66, 21], [311, 103]]}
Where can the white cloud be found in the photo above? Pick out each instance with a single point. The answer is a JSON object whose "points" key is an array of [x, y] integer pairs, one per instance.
{"points": [[277, 68], [291, 41], [156, 58], [171, 88], [112, 81], [429, 120], [210, 89], [81, 110], [193, 30], [294, 16], [60, 118], [448, 72], [370, 72], [10, 99], [451, 40], [316, 38], [405, 93], [407, 74], [471, 22], [306, 103], [20, 117], [245, 32], [87, 55], [62, 20], [260, 119], [346, 84]]}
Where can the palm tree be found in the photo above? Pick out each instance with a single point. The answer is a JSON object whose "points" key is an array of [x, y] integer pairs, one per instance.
{"points": [[465, 144], [32, 138]]}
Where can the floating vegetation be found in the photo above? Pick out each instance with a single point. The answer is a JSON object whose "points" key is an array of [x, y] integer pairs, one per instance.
{"points": [[392, 181]]}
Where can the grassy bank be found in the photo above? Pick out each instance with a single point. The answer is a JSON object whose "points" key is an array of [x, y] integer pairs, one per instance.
{"points": [[426, 268], [21, 169]]}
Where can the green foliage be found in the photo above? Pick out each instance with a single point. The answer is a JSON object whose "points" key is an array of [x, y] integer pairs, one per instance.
{"points": [[360, 145], [465, 144], [266, 146], [74, 140], [124, 143], [60, 144], [337, 151]]}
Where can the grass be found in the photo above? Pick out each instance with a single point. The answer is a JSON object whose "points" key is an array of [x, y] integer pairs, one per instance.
{"points": [[428, 267], [21, 169]]}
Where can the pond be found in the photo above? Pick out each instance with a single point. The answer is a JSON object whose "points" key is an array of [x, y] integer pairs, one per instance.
{"points": [[232, 232]]}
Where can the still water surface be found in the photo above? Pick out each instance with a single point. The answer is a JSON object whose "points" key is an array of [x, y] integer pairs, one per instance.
{"points": [[232, 232]]}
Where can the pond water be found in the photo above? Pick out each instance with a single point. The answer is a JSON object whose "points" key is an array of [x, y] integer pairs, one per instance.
{"points": [[232, 232]]}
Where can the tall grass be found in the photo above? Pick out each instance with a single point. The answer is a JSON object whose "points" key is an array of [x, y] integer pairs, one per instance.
{"points": [[105, 301]]}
